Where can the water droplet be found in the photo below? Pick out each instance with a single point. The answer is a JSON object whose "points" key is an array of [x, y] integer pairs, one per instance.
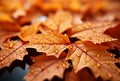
{"points": [[113, 59], [107, 62], [109, 75], [98, 55], [31, 71], [94, 30], [98, 65], [84, 50], [56, 51], [43, 45], [10, 45], [2, 62], [78, 54], [105, 39], [70, 46], [57, 65], [111, 55], [1, 58], [5, 45], [63, 65], [65, 34]]}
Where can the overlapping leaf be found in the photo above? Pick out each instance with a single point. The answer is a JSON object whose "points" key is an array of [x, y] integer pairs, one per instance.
{"points": [[100, 61], [54, 38], [46, 65], [92, 32], [11, 51], [60, 21], [49, 42]]}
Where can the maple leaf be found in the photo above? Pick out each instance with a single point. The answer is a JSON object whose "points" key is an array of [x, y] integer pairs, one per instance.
{"points": [[49, 42], [46, 65], [55, 43], [60, 21], [26, 31], [97, 58], [92, 32], [11, 51], [77, 19]]}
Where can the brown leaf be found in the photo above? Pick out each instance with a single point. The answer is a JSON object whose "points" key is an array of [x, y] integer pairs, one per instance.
{"points": [[60, 21], [96, 57], [68, 27], [46, 67], [26, 31], [93, 32], [11, 51], [49, 42]]}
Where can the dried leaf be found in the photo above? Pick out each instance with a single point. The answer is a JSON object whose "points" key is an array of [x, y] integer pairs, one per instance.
{"points": [[60, 21], [92, 32], [97, 58], [46, 65], [11, 51], [84, 31], [49, 42], [26, 31]]}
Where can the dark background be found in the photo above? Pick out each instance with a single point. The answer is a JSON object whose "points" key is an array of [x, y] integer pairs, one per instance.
{"points": [[17, 74]]}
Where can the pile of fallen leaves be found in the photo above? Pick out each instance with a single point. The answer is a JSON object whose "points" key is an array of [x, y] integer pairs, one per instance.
{"points": [[66, 40]]}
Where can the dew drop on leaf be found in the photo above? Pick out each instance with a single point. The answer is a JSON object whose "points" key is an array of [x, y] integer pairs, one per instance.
{"points": [[1, 58], [56, 51], [57, 65], [10, 45], [98, 65], [84, 50], [94, 30], [107, 62], [2, 62], [98, 55], [109, 75], [43, 45], [78, 54], [63, 65]]}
